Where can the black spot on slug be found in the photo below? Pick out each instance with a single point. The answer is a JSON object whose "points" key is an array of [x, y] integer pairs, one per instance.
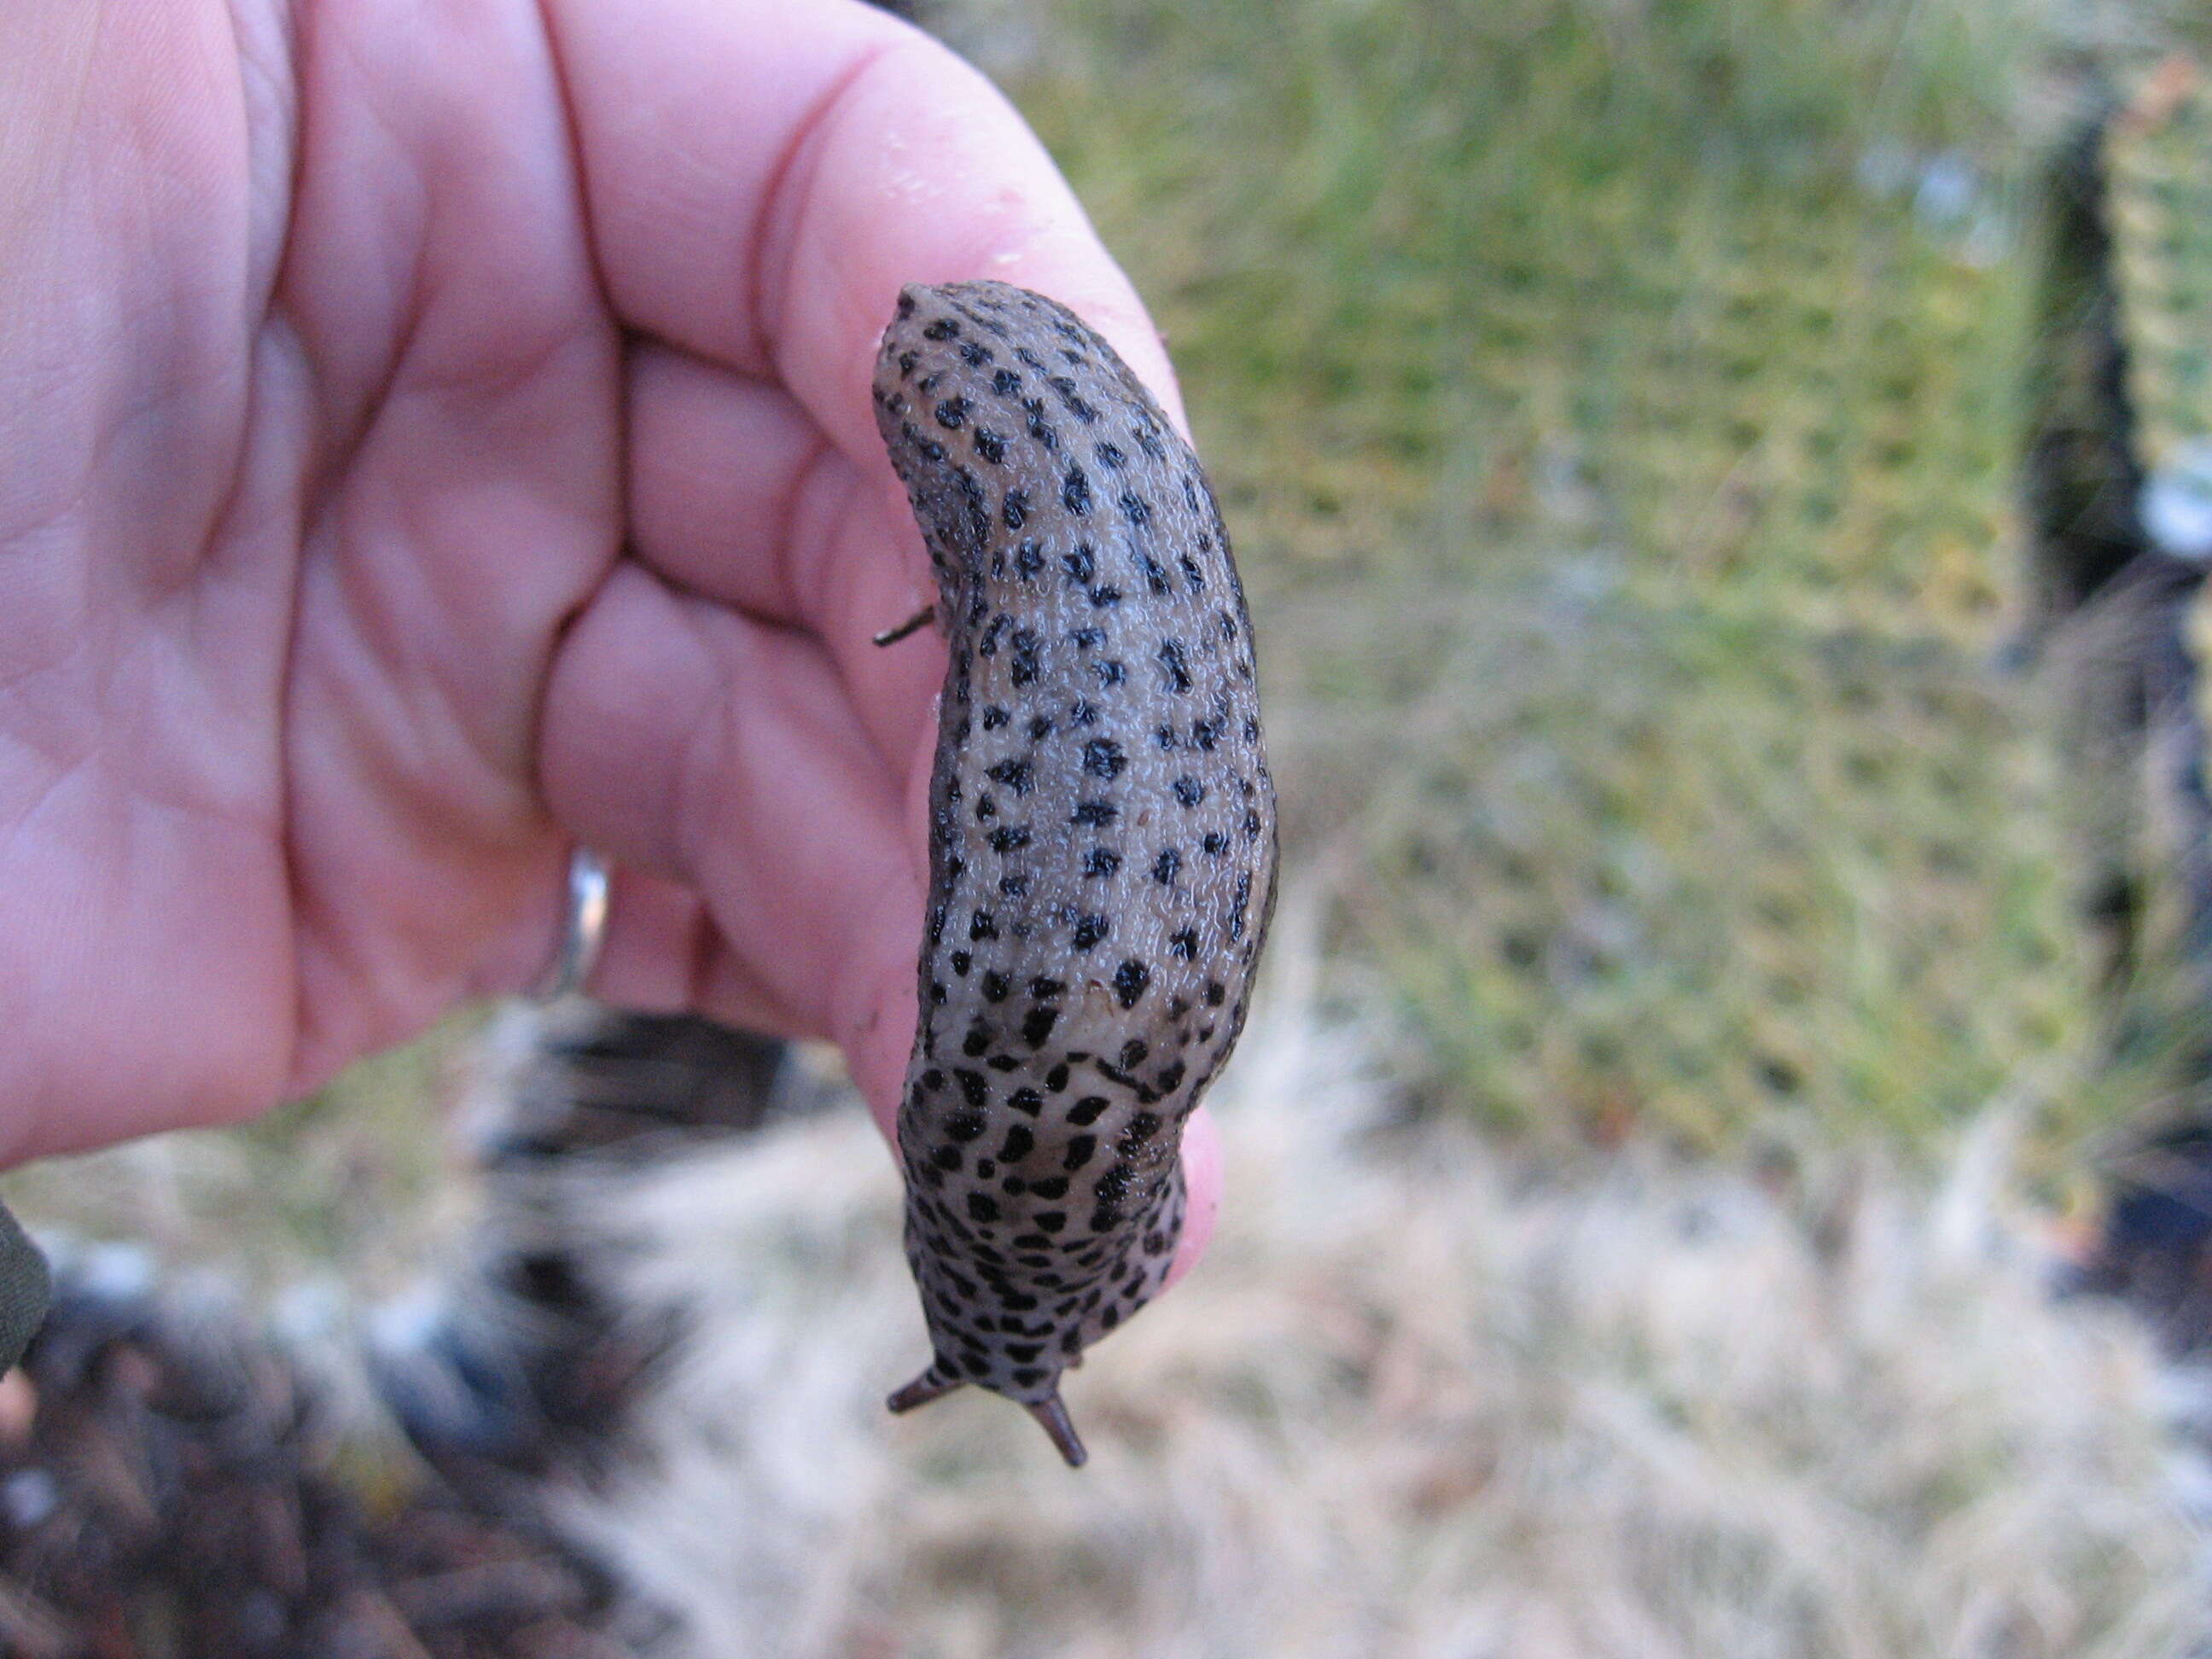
{"points": [[1016, 774], [1130, 980], [1103, 758]]}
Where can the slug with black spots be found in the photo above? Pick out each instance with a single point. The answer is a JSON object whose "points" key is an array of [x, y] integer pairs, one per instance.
{"points": [[1101, 834]]}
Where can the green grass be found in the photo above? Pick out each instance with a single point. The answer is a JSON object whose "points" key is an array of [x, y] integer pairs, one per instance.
{"points": [[1621, 435], [1398, 245]]}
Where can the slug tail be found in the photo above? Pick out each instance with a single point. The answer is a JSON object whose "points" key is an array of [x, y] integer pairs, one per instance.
{"points": [[930, 1385], [1052, 1417]]}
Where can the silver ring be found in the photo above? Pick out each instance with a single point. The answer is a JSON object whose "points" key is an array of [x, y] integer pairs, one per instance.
{"points": [[582, 932]]}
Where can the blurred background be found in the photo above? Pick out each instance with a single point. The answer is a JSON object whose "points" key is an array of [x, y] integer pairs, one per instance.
{"points": [[1728, 987]]}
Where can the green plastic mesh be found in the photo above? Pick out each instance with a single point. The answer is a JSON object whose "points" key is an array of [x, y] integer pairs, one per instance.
{"points": [[2157, 161], [1620, 412]]}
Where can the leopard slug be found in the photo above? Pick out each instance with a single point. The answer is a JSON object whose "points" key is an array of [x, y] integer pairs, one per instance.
{"points": [[1101, 834]]}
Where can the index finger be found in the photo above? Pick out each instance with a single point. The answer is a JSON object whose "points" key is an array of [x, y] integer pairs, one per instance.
{"points": [[762, 177]]}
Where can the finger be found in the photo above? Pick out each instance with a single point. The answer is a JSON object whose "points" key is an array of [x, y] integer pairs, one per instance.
{"points": [[763, 176], [720, 754], [1202, 1179], [663, 956], [735, 494]]}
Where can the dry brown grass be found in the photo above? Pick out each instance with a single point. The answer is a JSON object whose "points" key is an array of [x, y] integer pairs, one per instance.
{"points": [[1421, 1399]]}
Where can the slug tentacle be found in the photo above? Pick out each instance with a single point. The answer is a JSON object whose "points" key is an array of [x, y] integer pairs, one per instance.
{"points": [[1053, 1416], [924, 1388], [1101, 840]]}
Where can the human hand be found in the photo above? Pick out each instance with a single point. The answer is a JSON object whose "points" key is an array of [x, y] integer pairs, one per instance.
{"points": [[434, 435]]}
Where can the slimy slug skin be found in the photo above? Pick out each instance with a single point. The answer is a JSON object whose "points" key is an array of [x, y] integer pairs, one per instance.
{"points": [[1101, 834]]}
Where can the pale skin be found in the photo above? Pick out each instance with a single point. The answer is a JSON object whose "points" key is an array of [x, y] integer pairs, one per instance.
{"points": [[432, 433]]}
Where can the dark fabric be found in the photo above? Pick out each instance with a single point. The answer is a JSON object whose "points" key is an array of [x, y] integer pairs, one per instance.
{"points": [[26, 1288]]}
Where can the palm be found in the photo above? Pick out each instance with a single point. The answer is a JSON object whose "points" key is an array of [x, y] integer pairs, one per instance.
{"points": [[432, 442]]}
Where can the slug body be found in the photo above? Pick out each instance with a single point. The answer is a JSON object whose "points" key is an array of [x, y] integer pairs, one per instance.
{"points": [[1101, 840]]}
